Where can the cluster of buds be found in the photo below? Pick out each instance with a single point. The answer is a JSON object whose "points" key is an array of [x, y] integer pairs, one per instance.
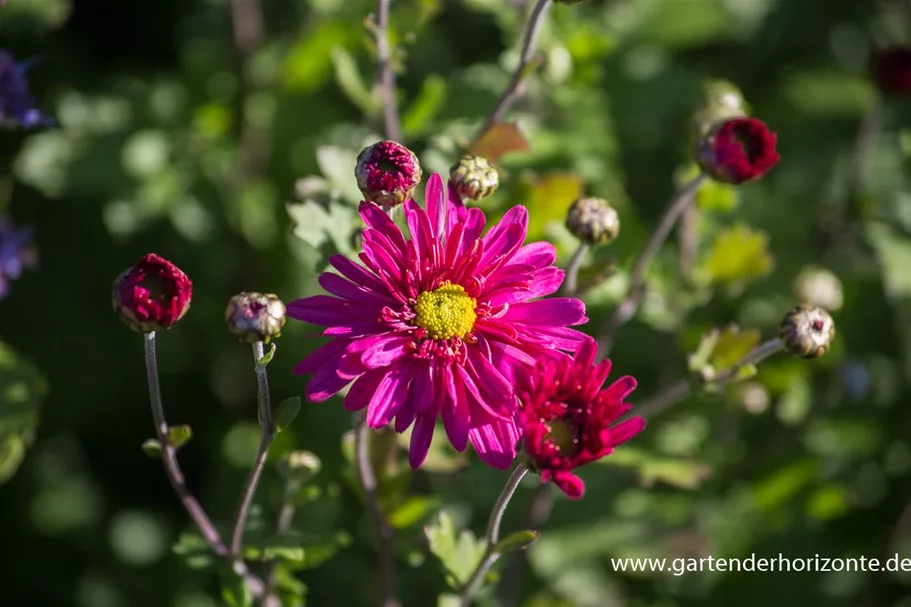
{"points": [[593, 221], [387, 173]]}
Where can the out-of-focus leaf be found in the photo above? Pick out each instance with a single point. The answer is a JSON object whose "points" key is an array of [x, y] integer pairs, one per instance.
{"points": [[425, 107], [21, 390], [827, 503], [519, 540], [300, 550], [652, 468], [683, 24], [829, 93], [194, 551], [349, 79], [894, 253], [309, 62], [844, 437], [337, 164], [414, 510], [547, 200], [732, 347], [459, 554], [794, 404], [716, 196], [152, 448], [499, 140], [286, 412], [782, 485], [738, 255], [178, 436], [233, 589], [318, 226]]}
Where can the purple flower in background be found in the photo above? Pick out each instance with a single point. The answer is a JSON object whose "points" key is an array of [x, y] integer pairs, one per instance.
{"points": [[16, 103], [16, 253]]}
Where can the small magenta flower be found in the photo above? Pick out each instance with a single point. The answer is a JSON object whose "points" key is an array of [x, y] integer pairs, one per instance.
{"points": [[892, 70], [473, 177], [254, 317], [16, 253], [16, 104], [738, 150], [807, 331], [438, 325], [387, 173], [568, 421], [593, 221], [152, 295]]}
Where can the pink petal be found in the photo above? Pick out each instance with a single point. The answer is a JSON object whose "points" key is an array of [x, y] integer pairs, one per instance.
{"points": [[457, 212], [357, 274], [454, 410], [570, 484], [325, 310], [338, 286], [318, 357], [509, 233], [421, 234], [436, 205], [553, 312], [362, 390], [375, 217], [626, 430], [538, 254], [334, 375], [389, 396], [621, 388], [421, 436], [385, 351], [495, 442]]}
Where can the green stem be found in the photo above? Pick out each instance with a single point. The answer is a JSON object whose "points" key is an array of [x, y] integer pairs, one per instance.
{"points": [[493, 534]]}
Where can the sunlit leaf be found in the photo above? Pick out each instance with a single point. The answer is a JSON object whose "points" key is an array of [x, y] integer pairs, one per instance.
{"points": [[653, 468], [459, 553], [499, 140], [519, 540], [738, 255], [21, 392]]}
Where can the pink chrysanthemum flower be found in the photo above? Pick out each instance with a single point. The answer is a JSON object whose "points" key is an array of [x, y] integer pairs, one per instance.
{"points": [[438, 324], [568, 421]]}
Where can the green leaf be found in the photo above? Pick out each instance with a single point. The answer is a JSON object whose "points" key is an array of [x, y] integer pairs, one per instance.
{"points": [[548, 199], [178, 436], [320, 226], [309, 62], [459, 554], [520, 540], [425, 107], [194, 550], [716, 196], [21, 390], [152, 448], [337, 165], [738, 255], [351, 82], [268, 356], [287, 411], [233, 589], [653, 468], [415, 509], [732, 347], [698, 361]]}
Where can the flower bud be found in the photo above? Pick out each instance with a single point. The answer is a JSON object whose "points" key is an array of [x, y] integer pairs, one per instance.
{"points": [[387, 173], [819, 287], [473, 177], [593, 221], [299, 466], [737, 150], [254, 317], [152, 295], [721, 100], [807, 331], [892, 70]]}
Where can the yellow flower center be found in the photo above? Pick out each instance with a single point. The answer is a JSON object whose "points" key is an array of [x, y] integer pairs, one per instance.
{"points": [[445, 312]]}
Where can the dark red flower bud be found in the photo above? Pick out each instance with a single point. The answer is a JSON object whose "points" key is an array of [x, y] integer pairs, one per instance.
{"points": [[152, 295], [387, 173], [738, 150], [892, 70]]}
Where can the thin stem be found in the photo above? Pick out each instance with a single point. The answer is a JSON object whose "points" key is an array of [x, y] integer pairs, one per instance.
{"points": [[285, 518], [683, 387], [266, 438], [542, 502], [175, 475], [247, 25], [572, 270], [514, 88], [493, 534], [627, 308], [384, 530], [386, 75]]}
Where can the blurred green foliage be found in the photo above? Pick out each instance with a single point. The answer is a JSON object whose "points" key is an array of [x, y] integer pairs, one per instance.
{"points": [[240, 171]]}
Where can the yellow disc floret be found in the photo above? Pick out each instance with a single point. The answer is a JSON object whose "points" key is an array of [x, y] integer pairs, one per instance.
{"points": [[445, 312]]}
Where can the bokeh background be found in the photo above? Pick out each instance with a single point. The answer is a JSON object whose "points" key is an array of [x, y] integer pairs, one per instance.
{"points": [[185, 135]]}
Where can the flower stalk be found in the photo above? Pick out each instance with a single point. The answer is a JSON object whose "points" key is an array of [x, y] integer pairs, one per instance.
{"points": [[386, 74], [385, 532], [493, 534], [627, 308], [514, 88], [267, 435], [175, 475], [571, 286]]}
